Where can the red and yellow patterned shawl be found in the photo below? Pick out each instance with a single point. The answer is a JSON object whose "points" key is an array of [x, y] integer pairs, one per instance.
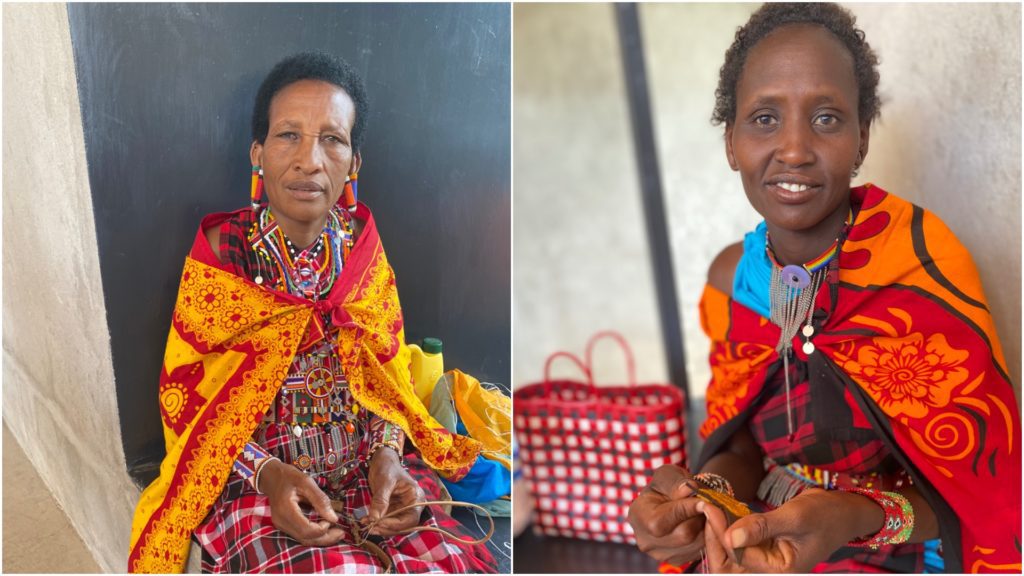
{"points": [[909, 337], [229, 349]]}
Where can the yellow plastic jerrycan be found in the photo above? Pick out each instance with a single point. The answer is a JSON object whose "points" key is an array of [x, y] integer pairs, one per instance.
{"points": [[427, 368]]}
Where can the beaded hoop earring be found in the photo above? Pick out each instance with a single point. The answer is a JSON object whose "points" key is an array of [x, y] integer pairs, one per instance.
{"points": [[351, 191], [256, 188]]}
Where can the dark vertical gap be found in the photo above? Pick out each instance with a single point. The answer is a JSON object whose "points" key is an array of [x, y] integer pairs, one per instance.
{"points": [[635, 74]]}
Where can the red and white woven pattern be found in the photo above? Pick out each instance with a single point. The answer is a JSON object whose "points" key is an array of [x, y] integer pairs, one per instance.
{"points": [[239, 537], [587, 451]]}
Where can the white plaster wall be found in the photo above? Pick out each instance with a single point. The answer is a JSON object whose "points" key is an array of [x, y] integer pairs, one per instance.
{"points": [[949, 139], [58, 395], [580, 256]]}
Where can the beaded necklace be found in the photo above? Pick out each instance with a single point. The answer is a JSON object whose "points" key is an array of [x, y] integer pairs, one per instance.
{"points": [[309, 273]]}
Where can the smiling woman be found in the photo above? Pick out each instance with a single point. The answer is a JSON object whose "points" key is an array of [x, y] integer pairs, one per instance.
{"points": [[286, 396], [859, 402], [796, 136]]}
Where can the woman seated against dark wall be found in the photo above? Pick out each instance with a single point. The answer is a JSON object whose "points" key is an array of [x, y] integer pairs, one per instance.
{"points": [[285, 394], [859, 401]]}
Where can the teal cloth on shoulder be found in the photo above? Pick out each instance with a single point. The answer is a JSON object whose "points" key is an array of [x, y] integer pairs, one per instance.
{"points": [[754, 273]]}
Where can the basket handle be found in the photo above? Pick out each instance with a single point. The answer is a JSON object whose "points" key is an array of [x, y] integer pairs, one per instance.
{"points": [[563, 354], [626, 350]]}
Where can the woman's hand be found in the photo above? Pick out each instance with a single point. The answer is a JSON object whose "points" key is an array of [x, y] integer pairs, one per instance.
{"points": [[286, 487], [392, 488], [665, 519], [792, 538]]}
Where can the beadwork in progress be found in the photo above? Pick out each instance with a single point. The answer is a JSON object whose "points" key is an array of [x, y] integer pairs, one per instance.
{"points": [[733, 508]]}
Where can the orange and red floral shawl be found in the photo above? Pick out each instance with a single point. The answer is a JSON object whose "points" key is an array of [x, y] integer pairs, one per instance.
{"points": [[910, 339], [229, 349]]}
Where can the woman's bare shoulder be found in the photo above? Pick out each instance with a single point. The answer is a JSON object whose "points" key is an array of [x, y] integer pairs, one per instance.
{"points": [[723, 267], [213, 237]]}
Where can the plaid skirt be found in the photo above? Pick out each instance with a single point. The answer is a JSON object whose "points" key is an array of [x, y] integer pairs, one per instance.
{"points": [[239, 536]]}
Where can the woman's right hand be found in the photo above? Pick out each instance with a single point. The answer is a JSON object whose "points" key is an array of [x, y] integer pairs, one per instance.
{"points": [[286, 486], [665, 519]]}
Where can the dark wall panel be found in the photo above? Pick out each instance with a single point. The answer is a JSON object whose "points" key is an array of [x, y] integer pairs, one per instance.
{"points": [[166, 94]]}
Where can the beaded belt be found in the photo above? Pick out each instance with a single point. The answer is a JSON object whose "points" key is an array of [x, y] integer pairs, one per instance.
{"points": [[784, 481]]}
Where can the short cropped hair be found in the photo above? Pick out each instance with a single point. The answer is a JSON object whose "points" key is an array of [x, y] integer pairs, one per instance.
{"points": [[837, 20], [310, 66]]}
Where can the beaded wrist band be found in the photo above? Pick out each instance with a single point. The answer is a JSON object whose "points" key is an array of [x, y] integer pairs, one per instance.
{"points": [[899, 518], [259, 468], [393, 445], [715, 482]]}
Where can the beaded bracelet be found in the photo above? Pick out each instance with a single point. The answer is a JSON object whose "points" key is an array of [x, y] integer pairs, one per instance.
{"points": [[715, 482], [899, 518], [394, 445], [259, 468]]}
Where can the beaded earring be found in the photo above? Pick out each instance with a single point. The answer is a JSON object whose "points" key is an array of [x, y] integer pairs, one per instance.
{"points": [[351, 191], [256, 189]]}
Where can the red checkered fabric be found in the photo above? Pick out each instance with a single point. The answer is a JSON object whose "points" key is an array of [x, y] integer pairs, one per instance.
{"points": [[839, 440], [239, 537], [587, 451]]}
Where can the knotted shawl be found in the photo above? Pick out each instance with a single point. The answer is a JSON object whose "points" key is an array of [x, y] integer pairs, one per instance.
{"points": [[907, 335], [229, 349]]}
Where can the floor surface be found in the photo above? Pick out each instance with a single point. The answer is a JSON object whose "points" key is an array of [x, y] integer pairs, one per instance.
{"points": [[37, 536]]}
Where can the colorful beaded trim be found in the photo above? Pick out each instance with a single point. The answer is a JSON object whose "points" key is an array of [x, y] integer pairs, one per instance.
{"points": [[783, 482], [817, 263], [309, 273]]}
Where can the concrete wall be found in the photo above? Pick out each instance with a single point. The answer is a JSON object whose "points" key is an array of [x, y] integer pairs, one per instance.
{"points": [[949, 140], [580, 252], [58, 394]]}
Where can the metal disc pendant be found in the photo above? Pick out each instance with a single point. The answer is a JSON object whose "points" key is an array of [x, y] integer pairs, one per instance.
{"points": [[297, 430], [807, 331], [259, 279], [808, 347], [795, 276]]}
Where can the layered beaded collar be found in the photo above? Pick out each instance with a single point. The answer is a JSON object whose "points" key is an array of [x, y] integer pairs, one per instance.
{"points": [[309, 273]]}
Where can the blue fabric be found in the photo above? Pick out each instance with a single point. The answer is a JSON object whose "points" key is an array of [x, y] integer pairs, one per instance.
{"points": [[754, 273], [933, 562], [487, 480]]}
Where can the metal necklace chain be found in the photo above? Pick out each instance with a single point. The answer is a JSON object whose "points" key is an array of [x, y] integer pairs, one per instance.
{"points": [[791, 305], [792, 292]]}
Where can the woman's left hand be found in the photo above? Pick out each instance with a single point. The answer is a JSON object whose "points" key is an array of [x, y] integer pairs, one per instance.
{"points": [[392, 488], [792, 538]]}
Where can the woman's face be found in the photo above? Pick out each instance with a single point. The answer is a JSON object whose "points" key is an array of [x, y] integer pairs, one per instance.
{"points": [[307, 153], [797, 135]]}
